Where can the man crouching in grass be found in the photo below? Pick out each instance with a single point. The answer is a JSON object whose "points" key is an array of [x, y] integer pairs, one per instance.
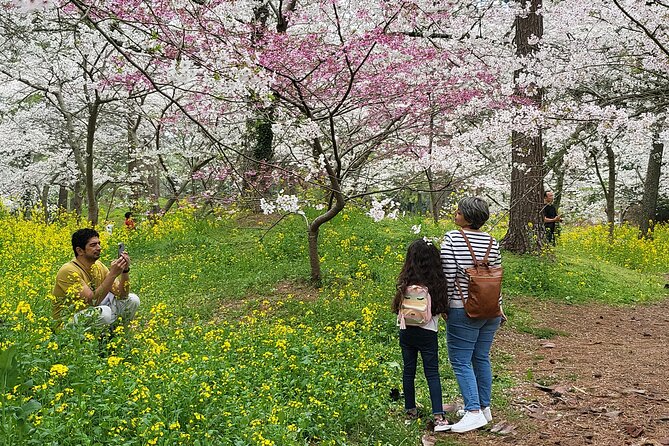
{"points": [[101, 295]]}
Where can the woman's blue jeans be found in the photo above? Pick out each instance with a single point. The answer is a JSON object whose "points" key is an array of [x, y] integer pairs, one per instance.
{"points": [[469, 341], [412, 341]]}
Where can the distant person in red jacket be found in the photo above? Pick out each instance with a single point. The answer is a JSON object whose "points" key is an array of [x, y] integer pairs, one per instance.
{"points": [[129, 222]]}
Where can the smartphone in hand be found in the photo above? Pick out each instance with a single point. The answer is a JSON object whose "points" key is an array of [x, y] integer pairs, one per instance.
{"points": [[121, 248]]}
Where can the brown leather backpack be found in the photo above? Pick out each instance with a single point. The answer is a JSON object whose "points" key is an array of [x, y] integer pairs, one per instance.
{"points": [[485, 286]]}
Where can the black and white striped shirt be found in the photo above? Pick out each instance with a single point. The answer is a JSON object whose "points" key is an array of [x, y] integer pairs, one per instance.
{"points": [[455, 258]]}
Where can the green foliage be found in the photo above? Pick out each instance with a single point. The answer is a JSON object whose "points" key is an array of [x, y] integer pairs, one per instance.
{"points": [[232, 347]]}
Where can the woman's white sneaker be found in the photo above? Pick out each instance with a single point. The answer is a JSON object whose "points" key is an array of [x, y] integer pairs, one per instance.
{"points": [[469, 422], [486, 413]]}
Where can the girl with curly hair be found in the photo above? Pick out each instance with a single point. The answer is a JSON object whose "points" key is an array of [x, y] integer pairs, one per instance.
{"points": [[422, 266]]}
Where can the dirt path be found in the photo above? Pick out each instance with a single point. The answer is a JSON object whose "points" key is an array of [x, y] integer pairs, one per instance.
{"points": [[605, 381]]}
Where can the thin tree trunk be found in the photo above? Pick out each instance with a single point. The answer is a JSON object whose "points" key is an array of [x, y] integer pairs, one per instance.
{"points": [[314, 227], [111, 202], [135, 164], [154, 183], [611, 196], [90, 184], [45, 201], [650, 189], [609, 187], [525, 233], [77, 199], [435, 198]]}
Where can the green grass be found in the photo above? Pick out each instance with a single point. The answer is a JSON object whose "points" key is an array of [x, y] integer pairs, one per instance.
{"points": [[232, 346], [577, 277]]}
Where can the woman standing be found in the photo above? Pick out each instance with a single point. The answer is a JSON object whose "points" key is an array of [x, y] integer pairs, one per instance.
{"points": [[469, 340]]}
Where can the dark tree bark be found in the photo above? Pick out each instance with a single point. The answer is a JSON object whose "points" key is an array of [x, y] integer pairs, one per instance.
{"points": [[525, 233], [62, 198], [608, 186], [44, 199], [611, 195], [650, 189], [260, 136]]}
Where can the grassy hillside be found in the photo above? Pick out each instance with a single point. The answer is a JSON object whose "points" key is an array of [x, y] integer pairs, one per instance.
{"points": [[233, 347]]}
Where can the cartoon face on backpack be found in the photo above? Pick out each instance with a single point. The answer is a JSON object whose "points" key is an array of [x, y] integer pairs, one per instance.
{"points": [[416, 307]]}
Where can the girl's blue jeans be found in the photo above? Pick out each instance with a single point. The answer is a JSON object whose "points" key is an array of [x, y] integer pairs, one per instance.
{"points": [[412, 341], [469, 341]]}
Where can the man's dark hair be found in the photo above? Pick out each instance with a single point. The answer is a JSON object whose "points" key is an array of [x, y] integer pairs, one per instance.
{"points": [[128, 214], [81, 237], [546, 192]]}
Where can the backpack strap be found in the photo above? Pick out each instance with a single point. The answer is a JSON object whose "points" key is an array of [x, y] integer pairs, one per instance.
{"points": [[471, 251]]}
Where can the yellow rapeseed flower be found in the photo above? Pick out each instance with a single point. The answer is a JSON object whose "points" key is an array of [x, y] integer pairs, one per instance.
{"points": [[113, 361], [58, 370]]}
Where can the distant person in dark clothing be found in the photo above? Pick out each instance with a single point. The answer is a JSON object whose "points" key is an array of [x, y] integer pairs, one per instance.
{"points": [[129, 222], [551, 217]]}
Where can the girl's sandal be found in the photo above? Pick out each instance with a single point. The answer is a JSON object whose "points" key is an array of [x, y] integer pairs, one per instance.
{"points": [[410, 415], [441, 424]]}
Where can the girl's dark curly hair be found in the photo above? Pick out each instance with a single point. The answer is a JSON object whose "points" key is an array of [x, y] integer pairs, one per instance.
{"points": [[422, 266]]}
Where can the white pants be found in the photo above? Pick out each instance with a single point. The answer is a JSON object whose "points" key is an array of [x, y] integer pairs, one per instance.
{"points": [[110, 309]]}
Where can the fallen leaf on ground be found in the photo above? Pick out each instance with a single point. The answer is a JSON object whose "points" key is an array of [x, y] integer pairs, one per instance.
{"points": [[631, 390], [542, 387], [556, 390], [560, 390], [547, 344], [428, 440], [503, 428], [664, 441], [613, 414], [535, 412], [664, 417], [632, 430]]}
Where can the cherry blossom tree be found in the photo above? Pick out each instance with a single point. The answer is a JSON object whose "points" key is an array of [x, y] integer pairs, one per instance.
{"points": [[68, 66], [347, 81]]}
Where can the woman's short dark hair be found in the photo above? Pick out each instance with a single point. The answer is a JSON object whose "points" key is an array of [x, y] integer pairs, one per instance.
{"points": [[128, 214], [475, 211], [81, 237]]}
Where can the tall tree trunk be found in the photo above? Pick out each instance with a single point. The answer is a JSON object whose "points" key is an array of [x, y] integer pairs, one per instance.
{"points": [[90, 184], [154, 183], [435, 197], [45, 201], [525, 233], [608, 186], [62, 198], [259, 135], [650, 188], [77, 199], [137, 170], [611, 196]]}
